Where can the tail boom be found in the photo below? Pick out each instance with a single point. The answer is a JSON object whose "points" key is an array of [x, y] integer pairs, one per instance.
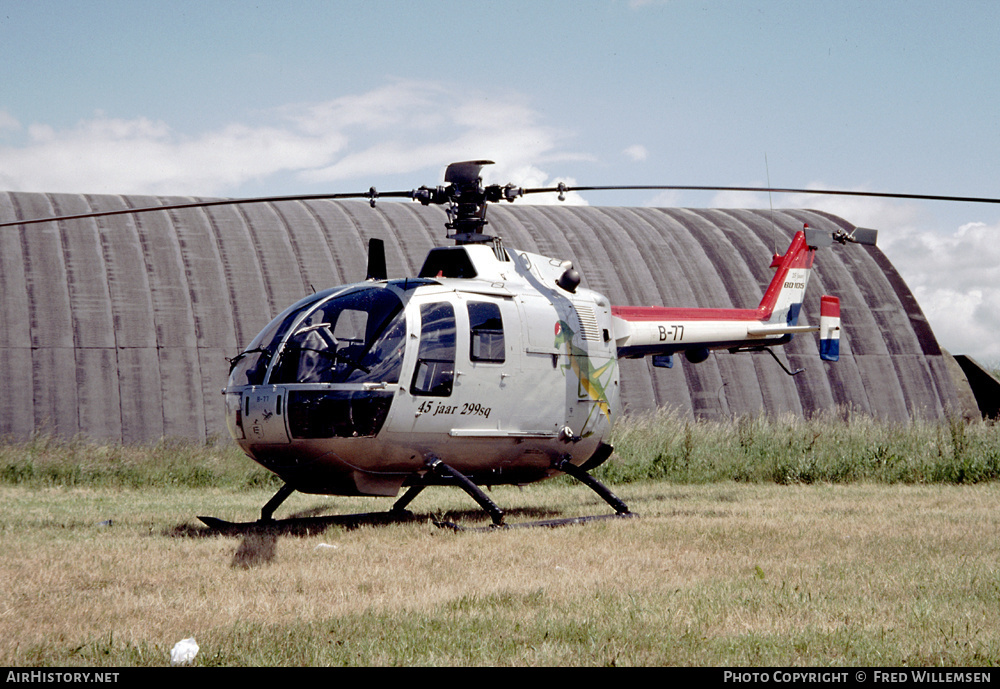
{"points": [[663, 331]]}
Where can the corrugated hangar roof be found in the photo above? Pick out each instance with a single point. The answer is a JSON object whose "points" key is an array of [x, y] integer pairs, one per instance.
{"points": [[118, 328]]}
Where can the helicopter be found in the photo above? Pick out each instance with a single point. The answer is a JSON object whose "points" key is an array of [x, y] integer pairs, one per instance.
{"points": [[491, 366]]}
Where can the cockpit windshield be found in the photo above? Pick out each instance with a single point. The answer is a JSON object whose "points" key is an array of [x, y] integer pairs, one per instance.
{"points": [[347, 337]]}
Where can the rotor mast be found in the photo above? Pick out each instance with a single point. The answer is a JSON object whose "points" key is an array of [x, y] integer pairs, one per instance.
{"points": [[467, 199]]}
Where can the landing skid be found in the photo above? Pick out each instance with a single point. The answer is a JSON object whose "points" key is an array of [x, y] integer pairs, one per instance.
{"points": [[437, 470], [304, 525], [543, 523]]}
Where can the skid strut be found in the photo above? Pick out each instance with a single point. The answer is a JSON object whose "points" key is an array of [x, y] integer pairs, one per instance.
{"points": [[441, 469], [563, 465], [267, 511], [583, 477]]}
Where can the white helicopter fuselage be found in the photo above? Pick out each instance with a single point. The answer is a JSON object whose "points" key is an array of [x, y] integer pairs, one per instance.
{"points": [[493, 362], [483, 362]]}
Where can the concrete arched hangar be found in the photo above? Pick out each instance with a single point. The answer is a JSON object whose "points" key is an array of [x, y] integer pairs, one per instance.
{"points": [[118, 328]]}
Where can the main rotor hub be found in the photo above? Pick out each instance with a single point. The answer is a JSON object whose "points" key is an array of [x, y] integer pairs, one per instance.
{"points": [[467, 199]]}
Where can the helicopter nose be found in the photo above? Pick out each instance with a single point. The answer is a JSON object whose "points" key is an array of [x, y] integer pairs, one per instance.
{"points": [[234, 414], [323, 413]]}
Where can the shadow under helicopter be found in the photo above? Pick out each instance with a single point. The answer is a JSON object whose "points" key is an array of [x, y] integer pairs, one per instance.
{"points": [[259, 540], [310, 523]]}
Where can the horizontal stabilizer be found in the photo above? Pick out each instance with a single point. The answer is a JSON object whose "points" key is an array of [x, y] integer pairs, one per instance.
{"points": [[767, 330]]}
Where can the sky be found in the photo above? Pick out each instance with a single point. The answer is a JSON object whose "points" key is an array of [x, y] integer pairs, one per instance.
{"points": [[240, 98]]}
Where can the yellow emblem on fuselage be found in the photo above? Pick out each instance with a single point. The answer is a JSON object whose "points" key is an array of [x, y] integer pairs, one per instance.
{"points": [[587, 374]]}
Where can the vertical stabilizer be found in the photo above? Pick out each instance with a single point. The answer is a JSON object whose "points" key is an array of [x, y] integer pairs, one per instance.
{"points": [[829, 328], [782, 300]]}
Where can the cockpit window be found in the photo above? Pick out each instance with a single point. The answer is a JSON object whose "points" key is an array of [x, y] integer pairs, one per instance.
{"points": [[250, 367], [333, 337], [435, 370], [353, 338]]}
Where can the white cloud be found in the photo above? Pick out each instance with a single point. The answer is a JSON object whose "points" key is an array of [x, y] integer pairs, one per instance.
{"points": [[665, 199], [639, 4], [142, 156], [636, 153], [956, 280], [8, 122], [399, 128]]}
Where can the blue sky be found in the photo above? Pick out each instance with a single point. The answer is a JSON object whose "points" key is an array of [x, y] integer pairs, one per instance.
{"points": [[247, 98]]}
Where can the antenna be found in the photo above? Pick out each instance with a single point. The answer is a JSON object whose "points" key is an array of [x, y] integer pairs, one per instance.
{"points": [[767, 172]]}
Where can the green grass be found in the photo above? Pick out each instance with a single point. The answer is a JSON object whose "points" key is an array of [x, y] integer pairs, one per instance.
{"points": [[661, 446], [831, 449], [760, 542], [45, 460]]}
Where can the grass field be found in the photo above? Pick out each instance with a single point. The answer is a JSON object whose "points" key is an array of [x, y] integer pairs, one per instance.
{"points": [[751, 548]]}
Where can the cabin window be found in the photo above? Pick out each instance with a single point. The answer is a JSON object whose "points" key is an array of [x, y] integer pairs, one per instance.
{"points": [[486, 332], [435, 370]]}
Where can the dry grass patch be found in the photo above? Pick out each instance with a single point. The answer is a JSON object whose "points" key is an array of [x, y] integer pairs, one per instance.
{"points": [[719, 574]]}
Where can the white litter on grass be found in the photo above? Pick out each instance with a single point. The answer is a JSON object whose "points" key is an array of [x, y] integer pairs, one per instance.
{"points": [[325, 545], [183, 652]]}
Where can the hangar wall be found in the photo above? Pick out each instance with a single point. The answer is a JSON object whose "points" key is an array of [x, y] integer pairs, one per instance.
{"points": [[118, 328]]}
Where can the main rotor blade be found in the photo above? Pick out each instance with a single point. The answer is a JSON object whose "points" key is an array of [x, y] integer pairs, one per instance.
{"points": [[823, 192], [370, 194]]}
